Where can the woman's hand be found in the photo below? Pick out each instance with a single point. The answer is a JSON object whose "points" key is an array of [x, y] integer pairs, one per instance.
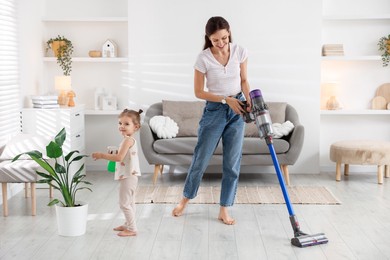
{"points": [[235, 104]]}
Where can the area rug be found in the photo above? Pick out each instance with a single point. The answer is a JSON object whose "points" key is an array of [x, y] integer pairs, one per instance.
{"points": [[245, 195]]}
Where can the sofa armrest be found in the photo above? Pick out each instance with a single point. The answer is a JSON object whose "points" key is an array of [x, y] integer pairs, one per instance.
{"points": [[296, 137], [147, 139]]}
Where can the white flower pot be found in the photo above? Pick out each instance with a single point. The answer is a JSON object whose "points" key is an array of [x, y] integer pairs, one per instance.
{"points": [[72, 221]]}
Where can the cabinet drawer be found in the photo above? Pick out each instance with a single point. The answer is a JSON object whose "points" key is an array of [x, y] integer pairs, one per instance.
{"points": [[77, 141], [77, 120]]}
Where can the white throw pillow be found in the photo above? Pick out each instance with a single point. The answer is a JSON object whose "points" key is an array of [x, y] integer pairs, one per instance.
{"points": [[164, 127], [283, 129]]}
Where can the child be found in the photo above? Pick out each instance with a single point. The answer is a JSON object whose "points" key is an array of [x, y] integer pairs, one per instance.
{"points": [[127, 169]]}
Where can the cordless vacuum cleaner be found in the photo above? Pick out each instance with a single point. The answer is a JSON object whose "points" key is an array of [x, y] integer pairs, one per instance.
{"points": [[260, 115]]}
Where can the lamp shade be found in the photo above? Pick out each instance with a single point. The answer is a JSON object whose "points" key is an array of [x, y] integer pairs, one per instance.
{"points": [[63, 83]]}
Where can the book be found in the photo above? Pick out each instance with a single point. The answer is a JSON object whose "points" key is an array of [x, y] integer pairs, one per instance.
{"points": [[45, 102], [50, 97], [45, 106]]}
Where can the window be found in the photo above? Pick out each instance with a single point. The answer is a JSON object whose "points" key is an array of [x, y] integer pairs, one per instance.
{"points": [[9, 71]]}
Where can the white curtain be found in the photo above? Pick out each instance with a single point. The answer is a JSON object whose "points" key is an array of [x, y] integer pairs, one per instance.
{"points": [[9, 71]]}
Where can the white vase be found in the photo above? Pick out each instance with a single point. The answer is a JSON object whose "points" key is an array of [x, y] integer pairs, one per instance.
{"points": [[72, 221]]}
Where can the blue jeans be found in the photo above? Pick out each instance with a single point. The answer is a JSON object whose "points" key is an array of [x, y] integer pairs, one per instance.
{"points": [[218, 121]]}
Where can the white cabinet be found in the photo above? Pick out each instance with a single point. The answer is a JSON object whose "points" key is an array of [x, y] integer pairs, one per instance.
{"points": [[49, 122]]}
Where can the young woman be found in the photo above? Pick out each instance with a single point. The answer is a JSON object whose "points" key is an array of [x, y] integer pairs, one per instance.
{"points": [[127, 169], [224, 66]]}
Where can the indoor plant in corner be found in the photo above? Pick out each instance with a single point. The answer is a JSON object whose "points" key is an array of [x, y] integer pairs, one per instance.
{"points": [[71, 214], [384, 46], [62, 49]]}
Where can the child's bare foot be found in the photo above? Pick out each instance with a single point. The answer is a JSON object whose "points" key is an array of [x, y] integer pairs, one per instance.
{"points": [[120, 228], [178, 210], [224, 216], [127, 233]]}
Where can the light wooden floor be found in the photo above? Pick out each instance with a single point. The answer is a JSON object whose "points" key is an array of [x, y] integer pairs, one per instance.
{"points": [[357, 229]]}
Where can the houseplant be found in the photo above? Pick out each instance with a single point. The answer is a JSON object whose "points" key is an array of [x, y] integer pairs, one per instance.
{"points": [[58, 174], [384, 46], [62, 49]]}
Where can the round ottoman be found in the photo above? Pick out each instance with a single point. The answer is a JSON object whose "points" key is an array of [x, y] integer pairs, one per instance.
{"points": [[361, 152]]}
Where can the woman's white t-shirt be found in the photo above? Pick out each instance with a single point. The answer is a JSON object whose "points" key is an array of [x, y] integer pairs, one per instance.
{"points": [[130, 164], [222, 80]]}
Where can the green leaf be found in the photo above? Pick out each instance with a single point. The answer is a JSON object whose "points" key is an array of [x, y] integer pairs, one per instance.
{"points": [[53, 202], [60, 137], [59, 168], [53, 150]]}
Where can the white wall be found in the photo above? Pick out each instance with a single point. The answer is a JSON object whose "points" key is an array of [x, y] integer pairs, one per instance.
{"points": [[283, 39], [284, 54]]}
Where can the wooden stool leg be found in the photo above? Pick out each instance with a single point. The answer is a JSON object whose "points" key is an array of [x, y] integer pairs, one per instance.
{"points": [[33, 200], [346, 169], [380, 174], [26, 195], [286, 174], [5, 201], [387, 171], [158, 168], [338, 171]]}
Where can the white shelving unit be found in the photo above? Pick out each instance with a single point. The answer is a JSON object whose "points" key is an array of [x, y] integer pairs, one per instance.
{"points": [[89, 33], [358, 73]]}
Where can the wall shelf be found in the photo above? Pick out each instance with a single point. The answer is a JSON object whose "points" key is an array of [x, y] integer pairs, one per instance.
{"points": [[355, 17], [344, 112], [89, 59], [352, 58], [85, 19], [102, 112]]}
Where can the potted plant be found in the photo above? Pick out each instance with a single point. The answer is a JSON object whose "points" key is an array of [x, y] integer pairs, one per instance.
{"points": [[62, 49], [58, 174], [384, 46]]}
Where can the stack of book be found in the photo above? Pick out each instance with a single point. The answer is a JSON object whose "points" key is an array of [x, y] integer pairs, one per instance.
{"points": [[332, 50], [45, 101]]}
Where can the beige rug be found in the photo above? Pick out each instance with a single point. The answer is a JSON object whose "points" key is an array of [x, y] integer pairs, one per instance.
{"points": [[245, 195]]}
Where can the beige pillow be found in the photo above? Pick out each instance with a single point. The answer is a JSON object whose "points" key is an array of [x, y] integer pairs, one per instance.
{"points": [[277, 111], [186, 114]]}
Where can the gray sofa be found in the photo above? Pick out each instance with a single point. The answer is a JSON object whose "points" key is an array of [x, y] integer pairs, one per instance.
{"points": [[179, 150]]}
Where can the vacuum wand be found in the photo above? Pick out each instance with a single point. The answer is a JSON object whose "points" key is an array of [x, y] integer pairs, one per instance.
{"points": [[260, 115]]}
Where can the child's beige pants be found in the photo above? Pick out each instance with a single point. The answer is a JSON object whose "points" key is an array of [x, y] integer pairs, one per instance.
{"points": [[127, 189]]}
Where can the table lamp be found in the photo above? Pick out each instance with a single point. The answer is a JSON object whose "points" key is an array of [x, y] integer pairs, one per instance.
{"points": [[63, 85], [331, 90]]}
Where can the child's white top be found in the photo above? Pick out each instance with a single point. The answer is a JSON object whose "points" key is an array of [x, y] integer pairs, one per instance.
{"points": [[222, 80], [130, 164]]}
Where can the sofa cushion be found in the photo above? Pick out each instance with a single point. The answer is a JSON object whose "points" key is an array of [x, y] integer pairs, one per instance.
{"points": [[277, 111], [186, 114], [163, 126], [186, 145]]}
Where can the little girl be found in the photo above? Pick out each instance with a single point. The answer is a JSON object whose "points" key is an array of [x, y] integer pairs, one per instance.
{"points": [[127, 169]]}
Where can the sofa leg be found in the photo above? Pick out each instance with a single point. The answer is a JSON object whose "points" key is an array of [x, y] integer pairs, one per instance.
{"points": [[158, 168], [5, 201], [33, 200], [387, 171], [286, 174]]}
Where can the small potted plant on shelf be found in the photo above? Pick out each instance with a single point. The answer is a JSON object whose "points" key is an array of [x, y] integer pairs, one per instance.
{"points": [[62, 49], [384, 46], [71, 214]]}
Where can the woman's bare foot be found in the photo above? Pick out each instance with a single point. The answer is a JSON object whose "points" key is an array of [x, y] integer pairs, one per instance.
{"points": [[127, 233], [120, 228], [224, 216], [179, 209]]}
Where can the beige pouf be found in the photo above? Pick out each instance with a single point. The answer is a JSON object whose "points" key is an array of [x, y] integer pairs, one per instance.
{"points": [[361, 152]]}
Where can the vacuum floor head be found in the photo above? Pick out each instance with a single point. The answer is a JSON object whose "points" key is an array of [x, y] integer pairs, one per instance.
{"points": [[309, 240]]}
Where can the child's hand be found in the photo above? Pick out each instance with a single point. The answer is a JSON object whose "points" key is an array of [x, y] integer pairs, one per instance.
{"points": [[96, 156]]}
